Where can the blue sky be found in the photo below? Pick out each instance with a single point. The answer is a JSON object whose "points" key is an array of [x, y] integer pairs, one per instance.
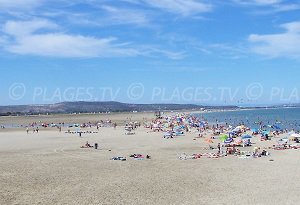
{"points": [[240, 52]]}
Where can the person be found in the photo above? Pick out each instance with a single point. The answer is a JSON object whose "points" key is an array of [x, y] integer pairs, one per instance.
{"points": [[37, 130], [27, 130], [255, 151], [87, 145], [249, 142], [234, 149], [267, 137], [219, 148]]}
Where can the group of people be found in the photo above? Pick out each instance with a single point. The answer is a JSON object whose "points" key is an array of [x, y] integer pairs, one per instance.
{"points": [[34, 130], [88, 145]]}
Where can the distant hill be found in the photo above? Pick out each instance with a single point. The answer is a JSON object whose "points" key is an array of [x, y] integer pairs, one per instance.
{"points": [[89, 107]]}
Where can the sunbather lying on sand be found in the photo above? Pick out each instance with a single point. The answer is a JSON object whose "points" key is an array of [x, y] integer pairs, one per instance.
{"points": [[87, 145], [118, 158]]}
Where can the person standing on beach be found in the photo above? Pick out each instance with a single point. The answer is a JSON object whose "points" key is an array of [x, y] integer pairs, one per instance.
{"points": [[27, 130], [219, 148]]}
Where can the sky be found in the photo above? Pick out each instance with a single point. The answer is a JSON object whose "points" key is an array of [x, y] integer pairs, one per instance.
{"points": [[210, 52]]}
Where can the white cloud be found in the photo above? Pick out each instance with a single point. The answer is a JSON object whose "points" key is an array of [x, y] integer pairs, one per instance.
{"points": [[266, 2], [258, 2], [151, 50], [287, 7], [28, 40], [19, 4], [3, 40], [286, 44], [62, 45], [41, 37], [269, 6], [21, 28], [125, 16], [182, 7]]}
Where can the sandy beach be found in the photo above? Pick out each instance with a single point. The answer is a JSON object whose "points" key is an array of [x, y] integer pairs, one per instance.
{"points": [[49, 167]]}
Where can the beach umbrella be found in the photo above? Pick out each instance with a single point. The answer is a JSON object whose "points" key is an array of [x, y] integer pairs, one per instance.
{"points": [[228, 140], [276, 127], [223, 138], [246, 137], [283, 140], [236, 129], [295, 135], [231, 133], [255, 130], [177, 127]]}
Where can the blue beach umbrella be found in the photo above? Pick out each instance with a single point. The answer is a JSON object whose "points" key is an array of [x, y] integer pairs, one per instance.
{"points": [[246, 137], [228, 140]]}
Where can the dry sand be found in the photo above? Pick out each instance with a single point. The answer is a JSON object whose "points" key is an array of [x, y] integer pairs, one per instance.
{"points": [[50, 168]]}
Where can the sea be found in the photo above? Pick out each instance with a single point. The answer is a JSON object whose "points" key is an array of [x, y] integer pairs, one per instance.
{"points": [[285, 118]]}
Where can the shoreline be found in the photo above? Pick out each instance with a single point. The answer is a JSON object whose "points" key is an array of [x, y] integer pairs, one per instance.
{"points": [[16, 122], [51, 167]]}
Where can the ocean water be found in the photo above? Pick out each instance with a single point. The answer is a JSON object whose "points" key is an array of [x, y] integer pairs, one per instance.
{"points": [[285, 118]]}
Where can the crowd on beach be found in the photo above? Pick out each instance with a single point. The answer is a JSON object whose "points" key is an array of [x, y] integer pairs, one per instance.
{"points": [[221, 139], [230, 140]]}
